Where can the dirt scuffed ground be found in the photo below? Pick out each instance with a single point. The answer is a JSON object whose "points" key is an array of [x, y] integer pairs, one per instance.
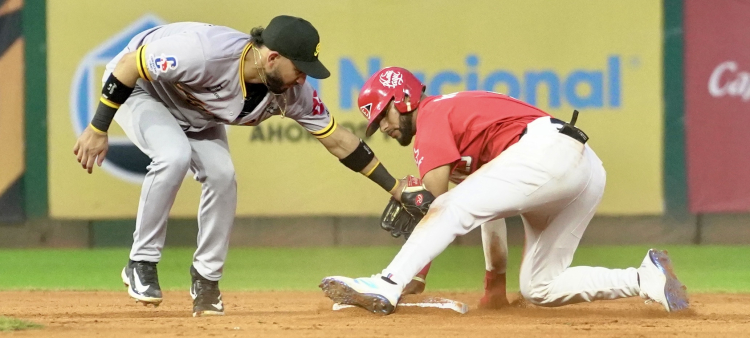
{"points": [[308, 314]]}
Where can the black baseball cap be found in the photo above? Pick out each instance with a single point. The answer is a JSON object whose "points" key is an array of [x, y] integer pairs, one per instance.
{"points": [[296, 39]]}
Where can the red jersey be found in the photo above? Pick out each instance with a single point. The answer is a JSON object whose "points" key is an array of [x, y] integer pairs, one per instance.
{"points": [[468, 129]]}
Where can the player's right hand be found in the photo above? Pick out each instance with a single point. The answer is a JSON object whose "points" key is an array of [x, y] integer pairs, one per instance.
{"points": [[396, 192], [415, 197], [90, 148], [401, 217]]}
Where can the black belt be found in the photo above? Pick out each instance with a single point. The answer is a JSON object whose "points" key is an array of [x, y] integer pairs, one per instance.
{"points": [[568, 129]]}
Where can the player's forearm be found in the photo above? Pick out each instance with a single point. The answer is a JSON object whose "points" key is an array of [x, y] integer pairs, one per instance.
{"points": [[356, 155], [117, 88], [344, 144], [341, 143], [436, 180], [362, 159]]}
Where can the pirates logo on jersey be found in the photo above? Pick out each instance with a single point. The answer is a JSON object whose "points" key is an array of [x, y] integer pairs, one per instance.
{"points": [[124, 160], [391, 79], [366, 110], [165, 62], [318, 107]]}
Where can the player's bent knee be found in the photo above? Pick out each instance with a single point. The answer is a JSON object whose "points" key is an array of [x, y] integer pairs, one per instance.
{"points": [[174, 163], [221, 177], [536, 296], [539, 295]]}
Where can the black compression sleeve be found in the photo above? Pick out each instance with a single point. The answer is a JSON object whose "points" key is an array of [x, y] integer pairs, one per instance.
{"points": [[383, 178], [114, 94], [359, 158], [103, 117]]}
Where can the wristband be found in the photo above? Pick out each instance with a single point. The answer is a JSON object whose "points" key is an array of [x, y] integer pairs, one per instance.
{"points": [[103, 117]]}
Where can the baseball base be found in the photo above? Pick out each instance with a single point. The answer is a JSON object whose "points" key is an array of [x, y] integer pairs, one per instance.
{"points": [[434, 302]]}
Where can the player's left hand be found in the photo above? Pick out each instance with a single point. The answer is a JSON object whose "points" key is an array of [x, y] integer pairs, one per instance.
{"points": [[91, 147]]}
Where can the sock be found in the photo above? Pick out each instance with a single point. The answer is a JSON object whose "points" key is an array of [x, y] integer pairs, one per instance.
{"points": [[494, 281], [423, 273]]}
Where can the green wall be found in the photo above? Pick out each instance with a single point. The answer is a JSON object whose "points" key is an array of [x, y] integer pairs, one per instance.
{"points": [[35, 178]]}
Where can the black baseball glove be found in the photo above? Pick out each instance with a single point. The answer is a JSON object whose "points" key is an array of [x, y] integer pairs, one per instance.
{"points": [[400, 218]]}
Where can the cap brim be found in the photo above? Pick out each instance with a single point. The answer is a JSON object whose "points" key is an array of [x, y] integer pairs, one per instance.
{"points": [[371, 129], [314, 69]]}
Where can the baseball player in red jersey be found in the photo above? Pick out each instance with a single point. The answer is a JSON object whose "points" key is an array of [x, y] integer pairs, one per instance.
{"points": [[509, 158]]}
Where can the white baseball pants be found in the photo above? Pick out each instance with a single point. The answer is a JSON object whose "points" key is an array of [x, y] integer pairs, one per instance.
{"points": [[555, 183]]}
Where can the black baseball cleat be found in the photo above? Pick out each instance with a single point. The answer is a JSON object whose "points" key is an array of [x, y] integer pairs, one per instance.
{"points": [[142, 281], [206, 296]]}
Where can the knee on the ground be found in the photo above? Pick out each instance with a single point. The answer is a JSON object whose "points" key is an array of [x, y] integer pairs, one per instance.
{"points": [[538, 294]]}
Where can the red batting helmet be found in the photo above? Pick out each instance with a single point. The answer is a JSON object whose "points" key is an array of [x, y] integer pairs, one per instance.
{"points": [[391, 83]]}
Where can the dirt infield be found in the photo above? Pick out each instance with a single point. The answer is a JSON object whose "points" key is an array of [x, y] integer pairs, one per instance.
{"points": [[309, 314]]}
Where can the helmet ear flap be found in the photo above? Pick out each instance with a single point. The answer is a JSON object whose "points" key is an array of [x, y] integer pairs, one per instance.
{"points": [[409, 92], [404, 104], [399, 98]]}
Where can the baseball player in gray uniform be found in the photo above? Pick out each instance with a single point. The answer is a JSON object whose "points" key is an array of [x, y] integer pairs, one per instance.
{"points": [[174, 87]]}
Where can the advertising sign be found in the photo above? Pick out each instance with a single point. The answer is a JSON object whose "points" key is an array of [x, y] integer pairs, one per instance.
{"points": [[602, 58], [717, 102]]}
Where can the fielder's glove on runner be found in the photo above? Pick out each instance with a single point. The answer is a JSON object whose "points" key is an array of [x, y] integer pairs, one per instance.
{"points": [[400, 218]]}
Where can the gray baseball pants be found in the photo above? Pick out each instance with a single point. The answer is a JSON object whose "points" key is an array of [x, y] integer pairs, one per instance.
{"points": [[153, 129]]}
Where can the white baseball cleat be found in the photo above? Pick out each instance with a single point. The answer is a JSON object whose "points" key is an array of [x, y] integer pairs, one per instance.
{"points": [[371, 293], [659, 282]]}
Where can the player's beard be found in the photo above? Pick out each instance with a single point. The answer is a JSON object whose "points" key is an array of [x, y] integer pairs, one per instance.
{"points": [[405, 127], [274, 82]]}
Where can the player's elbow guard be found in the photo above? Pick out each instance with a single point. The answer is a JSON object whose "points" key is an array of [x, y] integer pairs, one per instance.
{"points": [[114, 94]]}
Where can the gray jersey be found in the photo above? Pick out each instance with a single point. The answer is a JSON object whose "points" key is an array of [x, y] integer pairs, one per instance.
{"points": [[197, 71]]}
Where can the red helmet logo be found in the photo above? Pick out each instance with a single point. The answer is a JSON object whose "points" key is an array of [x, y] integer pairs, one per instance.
{"points": [[366, 110], [418, 201], [391, 79]]}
